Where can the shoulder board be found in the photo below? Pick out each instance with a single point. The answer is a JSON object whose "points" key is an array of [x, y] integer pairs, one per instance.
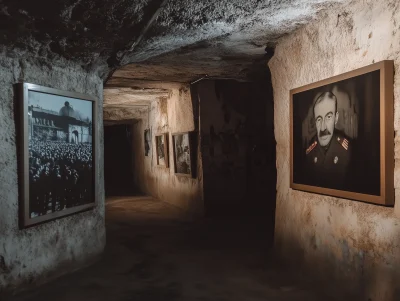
{"points": [[343, 142], [311, 147]]}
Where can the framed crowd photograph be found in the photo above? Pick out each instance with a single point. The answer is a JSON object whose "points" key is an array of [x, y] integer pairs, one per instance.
{"points": [[56, 153], [341, 135], [147, 142], [182, 154], [162, 150]]}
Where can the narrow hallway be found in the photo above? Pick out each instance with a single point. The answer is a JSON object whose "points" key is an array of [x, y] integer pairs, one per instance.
{"points": [[156, 253]]}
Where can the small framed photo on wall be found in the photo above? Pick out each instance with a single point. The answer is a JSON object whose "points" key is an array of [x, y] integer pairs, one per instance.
{"points": [[341, 135], [162, 150], [182, 154], [57, 163], [147, 142]]}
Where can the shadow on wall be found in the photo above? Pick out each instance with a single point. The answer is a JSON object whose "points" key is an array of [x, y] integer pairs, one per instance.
{"points": [[353, 277], [238, 147]]}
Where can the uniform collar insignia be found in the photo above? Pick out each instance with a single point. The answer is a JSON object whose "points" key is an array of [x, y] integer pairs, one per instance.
{"points": [[311, 147]]}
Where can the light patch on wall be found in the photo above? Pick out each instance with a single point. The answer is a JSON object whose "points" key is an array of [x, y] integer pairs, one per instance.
{"points": [[373, 32]]}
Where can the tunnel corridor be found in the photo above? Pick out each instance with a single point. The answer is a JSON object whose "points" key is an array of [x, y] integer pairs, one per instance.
{"points": [[155, 252], [169, 150]]}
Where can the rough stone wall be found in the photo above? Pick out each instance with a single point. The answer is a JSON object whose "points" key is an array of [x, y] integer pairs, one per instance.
{"points": [[188, 38], [355, 241], [170, 115], [63, 245]]}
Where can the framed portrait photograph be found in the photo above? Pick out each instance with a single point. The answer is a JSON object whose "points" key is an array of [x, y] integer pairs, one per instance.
{"points": [[341, 132], [162, 150], [57, 153], [147, 142], [182, 154]]}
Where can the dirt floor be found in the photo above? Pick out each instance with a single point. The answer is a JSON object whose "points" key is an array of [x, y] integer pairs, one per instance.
{"points": [[155, 253]]}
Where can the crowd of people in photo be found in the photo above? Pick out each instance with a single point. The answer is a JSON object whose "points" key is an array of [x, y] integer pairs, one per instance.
{"points": [[60, 175]]}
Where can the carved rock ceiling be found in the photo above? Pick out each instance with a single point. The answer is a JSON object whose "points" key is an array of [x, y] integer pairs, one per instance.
{"points": [[132, 42]]}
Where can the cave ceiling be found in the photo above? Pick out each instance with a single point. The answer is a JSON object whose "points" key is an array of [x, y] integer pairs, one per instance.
{"points": [[131, 43], [175, 40]]}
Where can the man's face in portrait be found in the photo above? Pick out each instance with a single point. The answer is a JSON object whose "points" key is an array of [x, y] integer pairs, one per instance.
{"points": [[326, 118]]}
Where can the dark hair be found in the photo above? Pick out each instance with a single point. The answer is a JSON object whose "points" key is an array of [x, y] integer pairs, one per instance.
{"points": [[324, 95], [66, 104]]}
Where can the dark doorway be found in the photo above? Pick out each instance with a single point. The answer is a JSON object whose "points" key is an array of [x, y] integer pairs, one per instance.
{"points": [[238, 149], [76, 136], [118, 165]]}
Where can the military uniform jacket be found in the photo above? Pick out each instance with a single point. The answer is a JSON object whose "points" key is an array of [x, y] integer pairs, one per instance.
{"points": [[328, 166]]}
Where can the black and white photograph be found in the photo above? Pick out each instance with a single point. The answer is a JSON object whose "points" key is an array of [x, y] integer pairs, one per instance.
{"points": [[147, 142], [60, 154], [182, 153], [337, 135], [162, 150]]}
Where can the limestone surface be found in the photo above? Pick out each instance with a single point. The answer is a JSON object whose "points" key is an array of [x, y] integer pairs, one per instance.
{"points": [[223, 36], [354, 242]]}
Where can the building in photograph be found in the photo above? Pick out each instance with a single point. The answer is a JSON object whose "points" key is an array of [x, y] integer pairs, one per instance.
{"points": [[66, 125]]}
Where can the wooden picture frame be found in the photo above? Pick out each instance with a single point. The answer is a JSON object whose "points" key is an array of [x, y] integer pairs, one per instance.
{"points": [[182, 153], [162, 148], [57, 153], [341, 135]]}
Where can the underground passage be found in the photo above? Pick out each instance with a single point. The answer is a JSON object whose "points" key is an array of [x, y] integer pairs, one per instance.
{"points": [[199, 150]]}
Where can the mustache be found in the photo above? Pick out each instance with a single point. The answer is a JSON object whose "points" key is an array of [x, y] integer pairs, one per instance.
{"points": [[324, 133]]}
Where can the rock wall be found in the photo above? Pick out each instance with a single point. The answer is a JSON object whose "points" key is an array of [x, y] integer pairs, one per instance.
{"points": [[63, 245], [353, 241], [171, 115]]}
